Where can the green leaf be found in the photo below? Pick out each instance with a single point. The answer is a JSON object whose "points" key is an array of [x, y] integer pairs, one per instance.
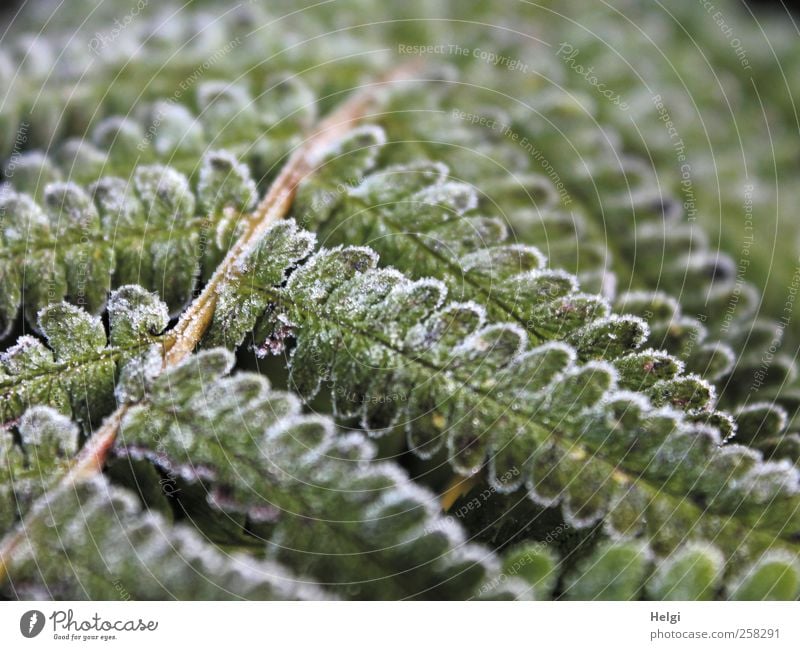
{"points": [[693, 573], [614, 571], [98, 543], [76, 371], [360, 527]]}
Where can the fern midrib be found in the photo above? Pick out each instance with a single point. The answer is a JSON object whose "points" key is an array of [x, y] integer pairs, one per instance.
{"points": [[11, 253], [195, 320], [583, 199], [619, 475], [107, 354]]}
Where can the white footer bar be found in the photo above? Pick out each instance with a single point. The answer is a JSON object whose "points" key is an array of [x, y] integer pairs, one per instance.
{"points": [[398, 626]]}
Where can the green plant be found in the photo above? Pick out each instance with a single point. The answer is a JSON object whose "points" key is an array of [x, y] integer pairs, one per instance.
{"points": [[407, 371]]}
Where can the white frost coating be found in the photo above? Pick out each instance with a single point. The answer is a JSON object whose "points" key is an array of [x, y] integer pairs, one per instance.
{"points": [[245, 262], [438, 286], [385, 276], [459, 197], [374, 185], [430, 448], [643, 328], [506, 485], [773, 556], [212, 91], [483, 341], [117, 201], [646, 298], [71, 309], [352, 447], [238, 173], [731, 423], [719, 260], [730, 357], [482, 259], [176, 126], [35, 159], [106, 131], [25, 345], [25, 212], [285, 425], [571, 517], [198, 359], [741, 451], [339, 147], [467, 305], [394, 477], [446, 526], [712, 390], [247, 573], [533, 181], [74, 316], [602, 306], [768, 479], [668, 411], [293, 403], [692, 431], [321, 256], [602, 366], [606, 280], [617, 535], [143, 309], [539, 499], [138, 375], [221, 233], [375, 432], [652, 353], [474, 554], [747, 304], [572, 356], [182, 435], [642, 402], [65, 198], [232, 394], [153, 182], [558, 274], [783, 416], [42, 424], [405, 493], [455, 455], [656, 585], [418, 335]]}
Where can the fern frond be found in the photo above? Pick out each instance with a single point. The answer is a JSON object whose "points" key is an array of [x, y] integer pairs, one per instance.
{"points": [[426, 224], [47, 441], [359, 527], [605, 195], [98, 543], [261, 130], [551, 327], [74, 372], [156, 231], [400, 358]]}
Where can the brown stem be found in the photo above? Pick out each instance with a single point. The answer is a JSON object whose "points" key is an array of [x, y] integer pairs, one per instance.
{"points": [[275, 205], [194, 322]]}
